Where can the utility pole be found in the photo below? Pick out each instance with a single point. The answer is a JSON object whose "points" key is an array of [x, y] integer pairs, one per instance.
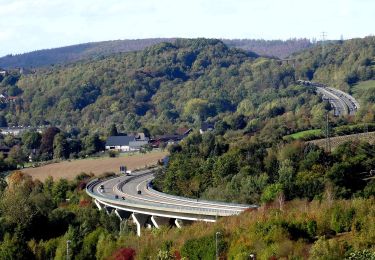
{"points": [[67, 249], [217, 249], [328, 140], [324, 35]]}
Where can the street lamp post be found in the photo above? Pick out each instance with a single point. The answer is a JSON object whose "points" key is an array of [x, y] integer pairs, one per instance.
{"points": [[67, 249], [217, 249]]}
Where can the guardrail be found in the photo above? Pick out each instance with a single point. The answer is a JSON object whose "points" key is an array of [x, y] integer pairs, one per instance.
{"points": [[219, 203], [118, 202]]}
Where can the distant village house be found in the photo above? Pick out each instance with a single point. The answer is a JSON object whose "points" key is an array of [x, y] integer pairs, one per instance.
{"points": [[127, 143]]}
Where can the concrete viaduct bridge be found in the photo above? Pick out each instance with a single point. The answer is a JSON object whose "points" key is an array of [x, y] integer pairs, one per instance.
{"points": [[132, 197]]}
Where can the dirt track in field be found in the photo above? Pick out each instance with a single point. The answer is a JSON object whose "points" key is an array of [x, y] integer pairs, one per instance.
{"points": [[97, 166]]}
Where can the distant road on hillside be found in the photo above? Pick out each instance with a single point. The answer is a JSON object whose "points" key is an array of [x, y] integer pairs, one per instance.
{"points": [[341, 102]]}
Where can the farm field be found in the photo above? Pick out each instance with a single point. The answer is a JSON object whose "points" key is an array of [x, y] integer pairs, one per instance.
{"points": [[97, 166], [338, 140]]}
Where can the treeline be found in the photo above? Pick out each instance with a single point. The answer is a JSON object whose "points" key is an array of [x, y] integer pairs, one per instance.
{"points": [[271, 48], [239, 169], [52, 143], [69, 54]]}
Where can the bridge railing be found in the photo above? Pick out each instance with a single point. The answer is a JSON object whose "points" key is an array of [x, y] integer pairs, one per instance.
{"points": [[111, 199], [219, 203]]}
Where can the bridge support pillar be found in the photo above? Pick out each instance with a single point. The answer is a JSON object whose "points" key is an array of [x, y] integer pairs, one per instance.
{"points": [[140, 221], [98, 204], [122, 214], [108, 210], [159, 221], [181, 222]]}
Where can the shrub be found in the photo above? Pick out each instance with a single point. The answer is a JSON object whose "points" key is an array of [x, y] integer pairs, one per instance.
{"points": [[124, 254], [113, 154], [341, 220], [202, 248]]}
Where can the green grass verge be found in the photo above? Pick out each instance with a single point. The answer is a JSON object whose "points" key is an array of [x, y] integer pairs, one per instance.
{"points": [[363, 89], [304, 134]]}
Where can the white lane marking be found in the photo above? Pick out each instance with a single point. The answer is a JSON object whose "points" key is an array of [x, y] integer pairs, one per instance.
{"points": [[188, 203], [191, 201]]}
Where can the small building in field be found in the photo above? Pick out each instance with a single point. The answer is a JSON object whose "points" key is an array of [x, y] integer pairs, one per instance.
{"points": [[125, 143]]}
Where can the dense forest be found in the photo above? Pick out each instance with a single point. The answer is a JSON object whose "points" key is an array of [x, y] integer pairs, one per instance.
{"points": [[314, 203], [69, 54], [171, 85], [37, 219]]}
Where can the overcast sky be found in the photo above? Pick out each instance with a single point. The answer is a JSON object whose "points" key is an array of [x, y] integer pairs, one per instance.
{"points": [[27, 25]]}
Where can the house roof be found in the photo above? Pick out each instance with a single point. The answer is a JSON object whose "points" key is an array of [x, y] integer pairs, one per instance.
{"points": [[207, 126], [119, 140], [183, 131], [137, 144], [169, 137]]}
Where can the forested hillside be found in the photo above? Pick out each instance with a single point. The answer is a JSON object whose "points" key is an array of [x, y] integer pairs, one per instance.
{"points": [[183, 84], [74, 53], [347, 65], [315, 203], [341, 64], [161, 87], [234, 167]]}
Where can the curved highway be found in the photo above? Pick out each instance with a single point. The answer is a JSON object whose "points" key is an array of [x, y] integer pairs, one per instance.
{"points": [[341, 102], [134, 194]]}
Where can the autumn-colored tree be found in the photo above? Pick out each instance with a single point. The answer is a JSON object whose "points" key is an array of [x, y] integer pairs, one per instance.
{"points": [[124, 254]]}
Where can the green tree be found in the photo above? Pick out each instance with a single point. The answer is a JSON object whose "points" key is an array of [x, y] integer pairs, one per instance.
{"points": [[31, 139], [271, 192], [112, 131], [17, 156], [286, 177], [92, 144], [196, 108], [59, 190], [46, 146], [14, 247], [60, 147]]}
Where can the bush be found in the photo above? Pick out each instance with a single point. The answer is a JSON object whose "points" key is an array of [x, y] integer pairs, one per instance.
{"points": [[124, 254], [202, 248], [341, 220], [113, 154]]}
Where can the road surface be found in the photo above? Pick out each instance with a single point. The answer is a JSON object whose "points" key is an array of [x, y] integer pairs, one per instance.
{"points": [[136, 191], [341, 102]]}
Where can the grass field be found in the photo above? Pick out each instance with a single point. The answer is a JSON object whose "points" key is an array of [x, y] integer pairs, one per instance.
{"points": [[360, 90], [70, 169], [305, 133]]}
